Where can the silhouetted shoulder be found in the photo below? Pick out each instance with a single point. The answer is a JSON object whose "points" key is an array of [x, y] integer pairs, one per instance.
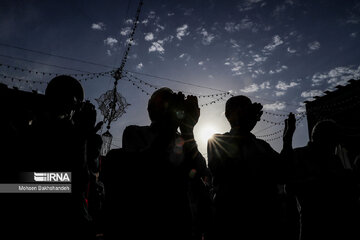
{"points": [[264, 144], [135, 129], [218, 136], [114, 153], [302, 149], [137, 138]]}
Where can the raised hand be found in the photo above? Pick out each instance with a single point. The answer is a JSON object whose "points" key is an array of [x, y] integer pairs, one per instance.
{"points": [[85, 118], [192, 114], [290, 126], [257, 110]]}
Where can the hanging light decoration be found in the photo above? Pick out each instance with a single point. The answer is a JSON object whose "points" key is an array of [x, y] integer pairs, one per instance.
{"points": [[107, 140], [112, 104]]}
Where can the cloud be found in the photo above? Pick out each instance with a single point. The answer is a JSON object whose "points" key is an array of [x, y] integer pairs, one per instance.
{"points": [[139, 66], [149, 36], [129, 41], [256, 72], [317, 78], [249, 89], [159, 28], [314, 45], [290, 50], [249, 5], [151, 15], [301, 109], [129, 21], [279, 93], [275, 106], [276, 41], [156, 47], [98, 26], [353, 19], [236, 67], [311, 93], [230, 27], [125, 31], [265, 85], [258, 58], [110, 41], [182, 31], [256, 87], [336, 76], [207, 38], [284, 86], [185, 56], [234, 44], [279, 69], [108, 52], [245, 23], [171, 14], [201, 63]]}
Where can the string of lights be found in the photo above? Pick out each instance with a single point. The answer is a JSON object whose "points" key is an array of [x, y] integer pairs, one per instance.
{"points": [[24, 70], [271, 134], [281, 122], [12, 79], [147, 93], [281, 130], [29, 81], [264, 129], [213, 102], [137, 86], [279, 114], [118, 74], [298, 121], [157, 87]]}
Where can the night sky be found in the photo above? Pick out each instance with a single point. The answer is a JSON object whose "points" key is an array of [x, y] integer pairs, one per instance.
{"points": [[279, 53]]}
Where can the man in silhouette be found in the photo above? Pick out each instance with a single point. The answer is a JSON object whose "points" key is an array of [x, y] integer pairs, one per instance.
{"points": [[56, 142], [246, 172], [157, 164], [325, 190]]}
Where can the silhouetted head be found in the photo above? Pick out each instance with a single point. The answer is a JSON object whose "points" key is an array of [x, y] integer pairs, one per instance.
{"points": [[326, 133], [242, 113], [64, 93], [163, 108]]}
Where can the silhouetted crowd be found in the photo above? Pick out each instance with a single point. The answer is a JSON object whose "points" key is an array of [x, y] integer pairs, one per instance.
{"points": [[159, 186]]}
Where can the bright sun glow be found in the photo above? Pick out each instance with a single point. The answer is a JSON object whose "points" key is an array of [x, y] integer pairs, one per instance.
{"points": [[206, 132]]}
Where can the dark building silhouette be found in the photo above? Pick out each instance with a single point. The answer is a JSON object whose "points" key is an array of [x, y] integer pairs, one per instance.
{"points": [[19, 108]]}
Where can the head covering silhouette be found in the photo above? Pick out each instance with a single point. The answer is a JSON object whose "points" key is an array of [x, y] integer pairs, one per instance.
{"points": [[242, 113], [158, 103], [64, 93]]}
